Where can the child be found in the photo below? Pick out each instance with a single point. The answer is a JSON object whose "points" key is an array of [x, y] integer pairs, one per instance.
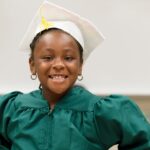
{"points": [[61, 116]]}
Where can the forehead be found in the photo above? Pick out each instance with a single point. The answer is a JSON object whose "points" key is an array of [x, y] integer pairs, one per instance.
{"points": [[53, 36]]}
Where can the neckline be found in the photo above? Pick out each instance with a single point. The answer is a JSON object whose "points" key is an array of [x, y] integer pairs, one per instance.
{"points": [[64, 99], [76, 98]]}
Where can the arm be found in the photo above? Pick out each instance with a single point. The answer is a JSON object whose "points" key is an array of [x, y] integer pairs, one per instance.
{"points": [[135, 128], [6, 111], [119, 121]]}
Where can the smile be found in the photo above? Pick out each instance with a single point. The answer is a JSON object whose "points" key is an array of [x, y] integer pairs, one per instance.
{"points": [[58, 77]]}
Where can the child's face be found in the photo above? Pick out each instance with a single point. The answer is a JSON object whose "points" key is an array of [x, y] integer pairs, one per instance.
{"points": [[56, 60]]}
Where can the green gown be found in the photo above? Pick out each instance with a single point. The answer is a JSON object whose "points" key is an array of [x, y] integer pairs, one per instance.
{"points": [[79, 121]]}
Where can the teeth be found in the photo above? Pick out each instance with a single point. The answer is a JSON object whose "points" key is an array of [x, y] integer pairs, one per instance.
{"points": [[58, 77]]}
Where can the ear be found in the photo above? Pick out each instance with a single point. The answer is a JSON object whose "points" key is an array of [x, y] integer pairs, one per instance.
{"points": [[32, 66]]}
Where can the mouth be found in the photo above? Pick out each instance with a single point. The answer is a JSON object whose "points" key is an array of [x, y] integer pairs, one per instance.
{"points": [[58, 77]]}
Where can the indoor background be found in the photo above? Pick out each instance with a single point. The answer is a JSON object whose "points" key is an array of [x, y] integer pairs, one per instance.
{"points": [[119, 66]]}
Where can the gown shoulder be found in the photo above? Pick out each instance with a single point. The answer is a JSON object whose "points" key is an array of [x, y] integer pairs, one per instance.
{"points": [[121, 122]]}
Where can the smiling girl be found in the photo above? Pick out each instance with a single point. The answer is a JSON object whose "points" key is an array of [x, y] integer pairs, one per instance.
{"points": [[59, 115], [57, 60]]}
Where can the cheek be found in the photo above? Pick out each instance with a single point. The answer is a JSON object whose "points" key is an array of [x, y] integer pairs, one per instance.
{"points": [[75, 69], [41, 68]]}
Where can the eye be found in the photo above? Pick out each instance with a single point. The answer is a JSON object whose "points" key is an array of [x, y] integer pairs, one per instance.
{"points": [[69, 58], [48, 58]]}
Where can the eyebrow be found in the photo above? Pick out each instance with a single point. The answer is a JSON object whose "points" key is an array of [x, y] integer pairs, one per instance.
{"points": [[49, 49], [66, 49]]}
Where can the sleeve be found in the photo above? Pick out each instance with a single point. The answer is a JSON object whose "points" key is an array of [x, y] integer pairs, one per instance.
{"points": [[119, 121], [6, 110]]}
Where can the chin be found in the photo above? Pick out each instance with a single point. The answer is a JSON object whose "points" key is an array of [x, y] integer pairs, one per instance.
{"points": [[59, 90]]}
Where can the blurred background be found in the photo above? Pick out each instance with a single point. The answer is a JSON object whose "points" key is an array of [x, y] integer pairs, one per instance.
{"points": [[118, 66]]}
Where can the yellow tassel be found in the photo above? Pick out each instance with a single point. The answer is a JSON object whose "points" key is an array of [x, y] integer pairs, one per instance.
{"points": [[45, 24]]}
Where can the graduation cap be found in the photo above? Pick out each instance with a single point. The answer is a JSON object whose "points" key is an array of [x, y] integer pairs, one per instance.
{"points": [[50, 15]]}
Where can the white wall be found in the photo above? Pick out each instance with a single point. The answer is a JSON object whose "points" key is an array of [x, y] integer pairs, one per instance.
{"points": [[119, 65]]}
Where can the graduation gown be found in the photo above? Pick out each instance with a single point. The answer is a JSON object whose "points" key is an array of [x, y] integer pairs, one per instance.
{"points": [[79, 121]]}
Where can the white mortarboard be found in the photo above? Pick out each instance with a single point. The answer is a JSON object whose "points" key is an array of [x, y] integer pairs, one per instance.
{"points": [[50, 15]]}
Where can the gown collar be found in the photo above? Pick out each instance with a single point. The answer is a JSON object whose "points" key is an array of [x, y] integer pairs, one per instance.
{"points": [[76, 98]]}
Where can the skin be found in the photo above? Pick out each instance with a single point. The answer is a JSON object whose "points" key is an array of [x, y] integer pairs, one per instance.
{"points": [[56, 61]]}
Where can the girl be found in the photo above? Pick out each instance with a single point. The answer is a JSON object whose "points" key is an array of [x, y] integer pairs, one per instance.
{"points": [[59, 115]]}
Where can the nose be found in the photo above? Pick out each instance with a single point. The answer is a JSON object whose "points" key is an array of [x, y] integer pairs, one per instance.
{"points": [[58, 64]]}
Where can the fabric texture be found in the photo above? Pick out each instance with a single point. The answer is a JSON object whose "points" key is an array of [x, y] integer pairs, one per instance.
{"points": [[79, 121]]}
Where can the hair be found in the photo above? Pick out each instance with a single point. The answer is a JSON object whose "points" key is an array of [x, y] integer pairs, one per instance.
{"points": [[40, 34]]}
